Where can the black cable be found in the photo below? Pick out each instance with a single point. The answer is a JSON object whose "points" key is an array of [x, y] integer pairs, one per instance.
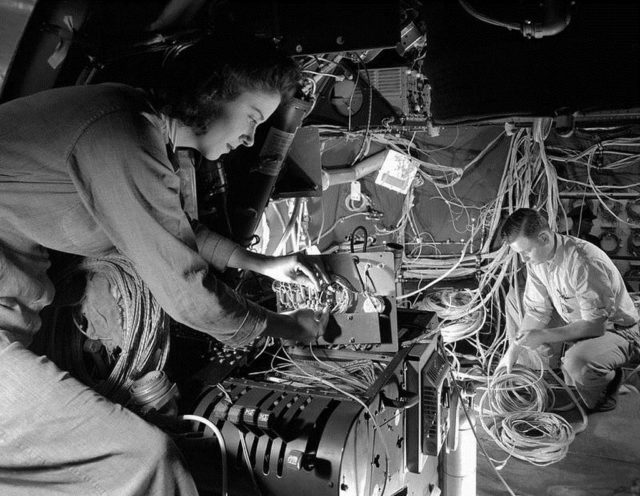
{"points": [[353, 237]]}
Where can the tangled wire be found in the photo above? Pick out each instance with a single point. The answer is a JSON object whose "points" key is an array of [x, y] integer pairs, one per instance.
{"points": [[512, 413], [143, 345]]}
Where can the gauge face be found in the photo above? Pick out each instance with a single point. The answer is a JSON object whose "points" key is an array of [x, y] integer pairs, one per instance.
{"points": [[373, 303], [609, 242]]}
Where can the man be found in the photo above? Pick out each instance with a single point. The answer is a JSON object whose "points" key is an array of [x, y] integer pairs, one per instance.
{"points": [[582, 223], [86, 170], [579, 282]]}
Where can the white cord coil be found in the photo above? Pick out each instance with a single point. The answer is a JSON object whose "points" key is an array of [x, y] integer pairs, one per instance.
{"points": [[511, 412]]}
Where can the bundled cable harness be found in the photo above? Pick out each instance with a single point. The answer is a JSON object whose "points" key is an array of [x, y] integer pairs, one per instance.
{"points": [[451, 308], [144, 344], [337, 297], [353, 376]]}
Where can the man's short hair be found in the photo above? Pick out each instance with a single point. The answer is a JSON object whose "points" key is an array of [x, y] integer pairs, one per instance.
{"points": [[523, 222], [199, 78]]}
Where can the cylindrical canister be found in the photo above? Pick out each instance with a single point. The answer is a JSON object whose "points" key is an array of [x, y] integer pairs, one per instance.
{"points": [[459, 472]]}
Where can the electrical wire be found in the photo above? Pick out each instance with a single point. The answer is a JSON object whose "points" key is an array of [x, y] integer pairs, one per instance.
{"points": [[529, 179], [353, 238], [457, 391], [338, 222], [288, 230], [145, 327], [512, 412], [354, 376], [363, 404], [526, 177], [221, 443]]}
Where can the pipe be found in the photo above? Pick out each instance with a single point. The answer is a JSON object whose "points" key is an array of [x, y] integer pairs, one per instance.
{"points": [[262, 178], [332, 177], [556, 19]]}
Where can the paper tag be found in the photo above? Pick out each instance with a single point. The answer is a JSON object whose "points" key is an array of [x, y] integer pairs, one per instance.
{"points": [[356, 191]]}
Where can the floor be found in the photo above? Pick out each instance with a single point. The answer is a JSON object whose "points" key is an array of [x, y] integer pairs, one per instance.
{"points": [[603, 460]]}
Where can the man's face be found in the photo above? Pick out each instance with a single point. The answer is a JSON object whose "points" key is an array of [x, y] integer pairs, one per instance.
{"points": [[535, 250], [236, 123]]}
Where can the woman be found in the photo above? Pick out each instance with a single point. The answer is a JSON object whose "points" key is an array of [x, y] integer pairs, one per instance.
{"points": [[85, 170]]}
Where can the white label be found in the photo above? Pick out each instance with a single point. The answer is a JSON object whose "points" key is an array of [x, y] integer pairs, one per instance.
{"points": [[356, 191]]}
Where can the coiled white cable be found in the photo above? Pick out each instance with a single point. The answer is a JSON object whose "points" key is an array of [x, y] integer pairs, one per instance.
{"points": [[221, 443], [511, 412]]}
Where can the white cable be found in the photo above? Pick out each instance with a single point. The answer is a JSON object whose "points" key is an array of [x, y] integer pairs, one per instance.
{"points": [[511, 411], [221, 443]]}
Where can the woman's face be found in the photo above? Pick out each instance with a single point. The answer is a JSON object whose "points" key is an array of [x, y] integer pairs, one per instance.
{"points": [[236, 123]]}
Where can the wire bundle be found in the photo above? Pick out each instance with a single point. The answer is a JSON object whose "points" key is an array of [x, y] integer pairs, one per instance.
{"points": [[521, 390], [511, 412], [145, 328], [619, 156], [528, 180], [450, 307], [337, 297], [354, 376], [541, 439]]}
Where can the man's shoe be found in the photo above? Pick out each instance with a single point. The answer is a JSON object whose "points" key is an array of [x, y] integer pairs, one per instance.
{"points": [[609, 402], [614, 385]]}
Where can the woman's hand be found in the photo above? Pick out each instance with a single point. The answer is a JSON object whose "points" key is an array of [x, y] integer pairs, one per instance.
{"points": [[297, 268], [312, 325]]}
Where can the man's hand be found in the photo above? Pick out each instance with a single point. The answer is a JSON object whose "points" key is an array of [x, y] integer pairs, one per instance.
{"points": [[531, 338], [509, 358], [297, 268], [525, 356]]}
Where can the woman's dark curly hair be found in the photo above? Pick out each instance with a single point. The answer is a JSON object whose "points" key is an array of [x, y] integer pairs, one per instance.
{"points": [[198, 79]]}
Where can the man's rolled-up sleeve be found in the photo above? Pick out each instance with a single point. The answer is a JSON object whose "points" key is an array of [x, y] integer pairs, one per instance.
{"points": [[593, 291], [120, 168]]}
